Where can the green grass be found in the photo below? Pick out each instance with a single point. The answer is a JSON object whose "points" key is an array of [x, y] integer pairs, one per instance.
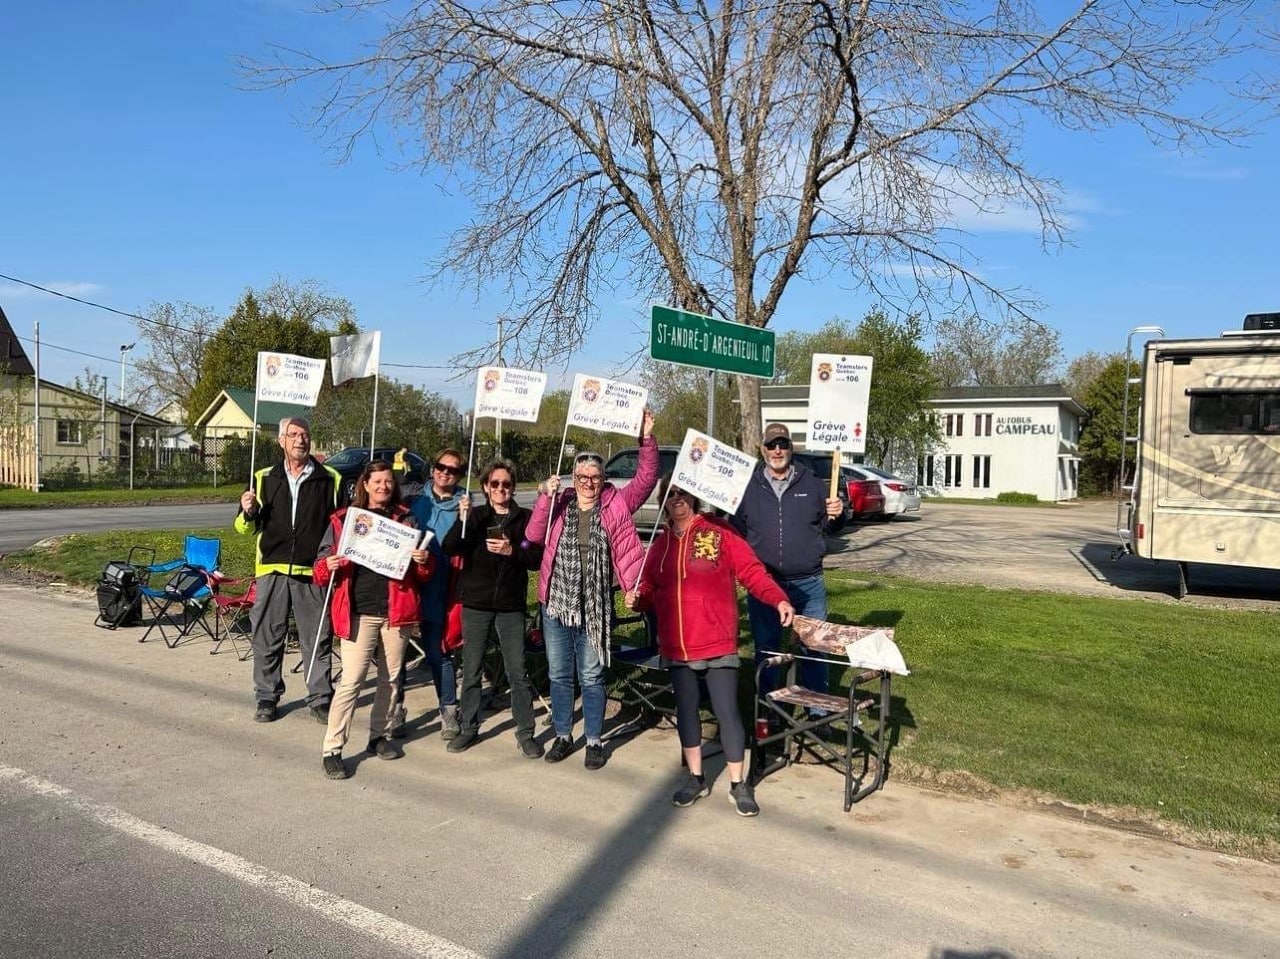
{"points": [[1166, 709], [974, 501], [1170, 709], [11, 498]]}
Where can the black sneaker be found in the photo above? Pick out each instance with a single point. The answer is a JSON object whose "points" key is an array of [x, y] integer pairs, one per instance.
{"points": [[333, 767], [743, 798], [595, 756], [384, 748], [320, 714], [531, 748], [266, 712], [694, 788], [561, 748], [464, 740]]}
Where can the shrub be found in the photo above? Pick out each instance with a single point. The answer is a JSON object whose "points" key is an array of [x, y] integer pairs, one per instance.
{"points": [[1012, 497]]}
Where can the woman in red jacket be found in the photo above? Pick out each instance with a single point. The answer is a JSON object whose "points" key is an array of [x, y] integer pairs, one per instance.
{"points": [[688, 580], [371, 614]]}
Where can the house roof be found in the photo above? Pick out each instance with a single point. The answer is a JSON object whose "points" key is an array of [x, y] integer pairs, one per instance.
{"points": [[956, 394], [270, 413], [127, 413], [13, 358]]}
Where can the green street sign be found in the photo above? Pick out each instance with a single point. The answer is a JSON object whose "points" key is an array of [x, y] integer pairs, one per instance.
{"points": [[692, 339]]}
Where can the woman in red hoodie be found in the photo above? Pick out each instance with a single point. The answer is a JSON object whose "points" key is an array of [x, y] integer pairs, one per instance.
{"points": [[688, 580], [372, 615]]}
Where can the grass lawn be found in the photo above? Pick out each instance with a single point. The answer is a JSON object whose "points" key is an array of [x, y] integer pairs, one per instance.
{"points": [[11, 498], [1166, 710]]}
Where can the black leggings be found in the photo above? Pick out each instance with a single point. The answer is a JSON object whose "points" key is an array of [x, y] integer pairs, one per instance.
{"points": [[722, 685]]}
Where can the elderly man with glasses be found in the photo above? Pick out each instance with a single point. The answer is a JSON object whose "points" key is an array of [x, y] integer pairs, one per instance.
{"points": [[437, 510], [590, 539], [785, 515], [288, 511]]}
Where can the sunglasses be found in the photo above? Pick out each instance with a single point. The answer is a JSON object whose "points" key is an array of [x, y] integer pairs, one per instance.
{"points": [[451, 470], [501, 484], [778, 445]]}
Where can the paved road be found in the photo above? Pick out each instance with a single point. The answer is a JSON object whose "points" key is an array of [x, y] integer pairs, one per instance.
{"points": [[1064, 549], [20, 528], [145, 814]]}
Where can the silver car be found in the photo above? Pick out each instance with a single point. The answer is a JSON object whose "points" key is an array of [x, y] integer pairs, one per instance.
{"points": [[900, 495], [621, 470]]}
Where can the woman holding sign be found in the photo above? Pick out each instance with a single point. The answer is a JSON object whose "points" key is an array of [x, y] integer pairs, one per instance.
{"points": [[372, 615], [590, 538], [689, 581], [493, 588]]}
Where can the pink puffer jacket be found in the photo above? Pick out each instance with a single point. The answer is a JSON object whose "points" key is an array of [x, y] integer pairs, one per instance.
{"points": [[616, 507]]}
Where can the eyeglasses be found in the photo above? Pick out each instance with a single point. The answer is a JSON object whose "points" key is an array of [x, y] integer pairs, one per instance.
{"points": [[778, 445], [501, 484], [588, 477], [446, 468], [582, 459], [295, 435]]}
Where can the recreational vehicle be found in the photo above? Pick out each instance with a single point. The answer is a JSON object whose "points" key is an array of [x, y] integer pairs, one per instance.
{"points": [[1206, 483]]}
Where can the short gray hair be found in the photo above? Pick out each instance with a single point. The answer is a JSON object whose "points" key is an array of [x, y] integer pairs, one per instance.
{"points": [[294, 421]]}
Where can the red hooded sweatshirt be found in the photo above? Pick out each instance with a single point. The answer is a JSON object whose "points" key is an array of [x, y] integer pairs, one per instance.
{"points": [[689, 582]]}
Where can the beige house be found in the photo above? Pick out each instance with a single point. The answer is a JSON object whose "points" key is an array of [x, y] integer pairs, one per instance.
{"points": [[231, 415]]}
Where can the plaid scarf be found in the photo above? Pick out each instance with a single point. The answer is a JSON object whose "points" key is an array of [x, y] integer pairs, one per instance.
{"points": [[579, 597]]}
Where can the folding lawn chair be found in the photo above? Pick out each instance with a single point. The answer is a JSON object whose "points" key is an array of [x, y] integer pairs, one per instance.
{"points": [[231, 616], [180, 605], [636, 678]]}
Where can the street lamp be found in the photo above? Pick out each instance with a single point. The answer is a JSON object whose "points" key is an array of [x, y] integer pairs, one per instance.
{"points": [[124, 348]]}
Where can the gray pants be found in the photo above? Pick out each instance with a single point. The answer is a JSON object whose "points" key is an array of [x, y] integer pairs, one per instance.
{"points": [[277, 595]]}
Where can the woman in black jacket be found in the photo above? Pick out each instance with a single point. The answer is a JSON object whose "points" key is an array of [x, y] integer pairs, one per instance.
{"points": [[493, 589]]}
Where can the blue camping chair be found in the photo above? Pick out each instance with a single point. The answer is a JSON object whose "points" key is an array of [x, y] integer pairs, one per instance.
{"points": [[179, 606]]}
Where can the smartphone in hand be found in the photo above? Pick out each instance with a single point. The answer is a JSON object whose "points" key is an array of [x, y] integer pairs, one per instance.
{"points": [[493, 532]]}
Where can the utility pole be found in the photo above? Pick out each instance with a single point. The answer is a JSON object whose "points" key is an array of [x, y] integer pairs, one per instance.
{"points": [[36, 425], [124, 348]]}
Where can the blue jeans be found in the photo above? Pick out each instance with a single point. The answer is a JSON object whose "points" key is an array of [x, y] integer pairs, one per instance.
{"points": [[808, 595], [568, 648], [443, 674]]}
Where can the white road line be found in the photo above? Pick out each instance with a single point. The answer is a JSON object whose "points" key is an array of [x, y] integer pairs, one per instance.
{"points": [[332, 907]]}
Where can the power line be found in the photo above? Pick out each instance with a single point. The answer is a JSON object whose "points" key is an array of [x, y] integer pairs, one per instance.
{"points": [[66, 349]]}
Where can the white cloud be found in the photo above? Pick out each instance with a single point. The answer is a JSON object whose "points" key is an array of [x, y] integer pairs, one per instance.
{"points": [[69, 287]]}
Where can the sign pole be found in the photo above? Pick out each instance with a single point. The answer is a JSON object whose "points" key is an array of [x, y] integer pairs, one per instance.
{"points": [[373, 427], [652, 535], [253, 434], [835, 474], [711, 403], [470, 459], [324, 611]]}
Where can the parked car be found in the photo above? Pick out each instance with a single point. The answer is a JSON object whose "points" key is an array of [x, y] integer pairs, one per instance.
{"points": [[350, 461], [900, 495], [865, 497]]}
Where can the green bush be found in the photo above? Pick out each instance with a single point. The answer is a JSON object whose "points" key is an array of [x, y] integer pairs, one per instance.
{"points": [[1012, 497], [63, 477]]}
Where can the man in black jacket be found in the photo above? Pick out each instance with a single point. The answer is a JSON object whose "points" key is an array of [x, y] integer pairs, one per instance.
{"points": [[785, 515], [288, 510]]}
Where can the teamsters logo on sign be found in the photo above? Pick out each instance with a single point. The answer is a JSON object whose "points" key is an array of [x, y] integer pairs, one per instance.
{"points": [[610, 406], [361, 527], [839, 392], [272, 365], [491, 380], [697, 450]]}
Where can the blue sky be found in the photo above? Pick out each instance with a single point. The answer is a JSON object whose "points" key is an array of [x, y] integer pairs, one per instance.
{"points": [[137, 170]]}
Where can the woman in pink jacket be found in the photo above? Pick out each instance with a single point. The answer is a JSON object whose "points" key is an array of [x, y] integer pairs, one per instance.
{"points": [[689, 581], [590, 539]]}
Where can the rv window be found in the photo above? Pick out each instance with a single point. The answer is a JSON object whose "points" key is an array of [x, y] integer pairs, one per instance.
{"points": [[1235, 412]]}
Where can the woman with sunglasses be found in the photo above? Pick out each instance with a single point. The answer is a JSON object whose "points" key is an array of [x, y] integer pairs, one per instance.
{"points": [[690, 579], [372, 615], [493, 587], [591, 539], [437, 510]]}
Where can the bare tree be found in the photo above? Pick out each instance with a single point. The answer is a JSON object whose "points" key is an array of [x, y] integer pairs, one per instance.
{"points": [[706, 153], [971, 351], [173, 340]]}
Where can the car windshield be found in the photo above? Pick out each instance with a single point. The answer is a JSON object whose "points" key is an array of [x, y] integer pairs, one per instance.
{"points": [[347, 457]]}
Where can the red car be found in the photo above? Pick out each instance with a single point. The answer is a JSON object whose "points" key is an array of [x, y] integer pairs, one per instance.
{"points": [[866, 498]]}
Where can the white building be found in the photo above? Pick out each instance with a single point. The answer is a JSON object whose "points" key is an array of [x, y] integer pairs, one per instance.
{"points": [[1021, 439]]}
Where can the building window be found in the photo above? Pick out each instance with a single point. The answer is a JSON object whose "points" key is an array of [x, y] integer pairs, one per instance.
{"points": [[953, 424], [951, 471], [69, 433], [982, 472], [924, 470], [981, 424]]}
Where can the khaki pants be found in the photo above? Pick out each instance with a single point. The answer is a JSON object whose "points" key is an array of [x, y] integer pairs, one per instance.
{"points": [[373, 633]]}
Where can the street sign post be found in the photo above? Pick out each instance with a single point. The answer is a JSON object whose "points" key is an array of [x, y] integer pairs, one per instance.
{"points": [[692, 339]]}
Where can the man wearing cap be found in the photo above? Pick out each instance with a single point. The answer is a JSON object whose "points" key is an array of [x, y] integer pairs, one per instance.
{"points": [[785, 515]]}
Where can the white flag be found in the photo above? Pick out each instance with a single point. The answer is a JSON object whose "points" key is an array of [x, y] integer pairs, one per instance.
{"points": [[509, 394], [285, 378], [611, 406], [715, 472], [355, 357], [839, 391]]}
